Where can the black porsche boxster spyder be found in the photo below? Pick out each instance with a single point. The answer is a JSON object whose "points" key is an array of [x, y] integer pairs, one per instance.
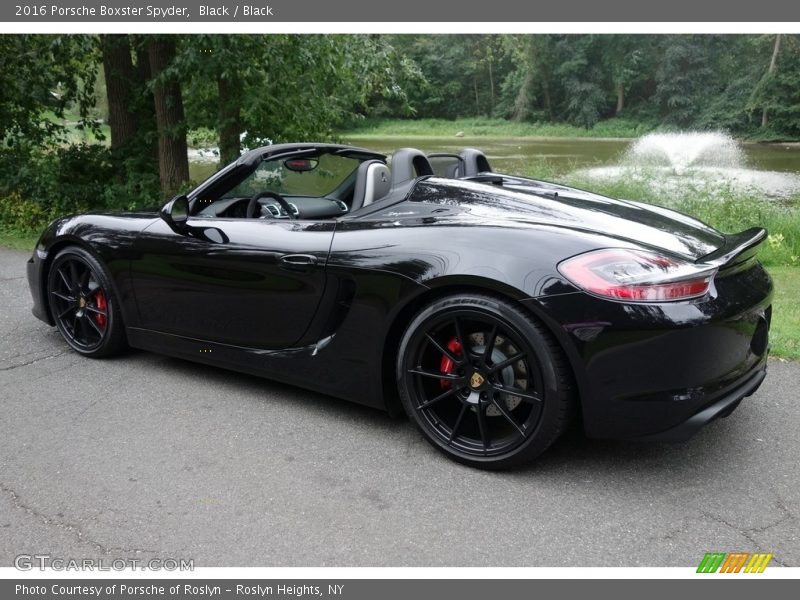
{"points": [[491, 309]]}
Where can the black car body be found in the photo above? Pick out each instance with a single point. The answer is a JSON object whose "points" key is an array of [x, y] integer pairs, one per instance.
{"points": [[324, 301]]}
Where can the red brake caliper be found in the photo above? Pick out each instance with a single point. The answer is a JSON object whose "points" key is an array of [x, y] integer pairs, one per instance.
{"points": [[447, 365], [100, 302]]}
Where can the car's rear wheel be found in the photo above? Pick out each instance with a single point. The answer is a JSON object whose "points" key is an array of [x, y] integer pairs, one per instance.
{"points": [[83, 304], [483, 381]]}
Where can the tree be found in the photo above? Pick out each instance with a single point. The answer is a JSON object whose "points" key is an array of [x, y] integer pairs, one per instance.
{"points": [[526, 90], [216, 70], [173, 162], [131, 120], [120, 77], [628, 59], [770, 72], [485, 62], [686, 77], [453, 76], [583, 79], [777, 92], [284, 87], [229, 120], [41, 76]]}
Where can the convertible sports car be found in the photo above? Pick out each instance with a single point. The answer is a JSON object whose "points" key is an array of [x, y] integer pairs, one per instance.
{"points": [[491, 309]]}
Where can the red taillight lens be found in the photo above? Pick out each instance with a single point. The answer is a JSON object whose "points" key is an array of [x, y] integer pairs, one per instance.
{"points": [[637, 276]]}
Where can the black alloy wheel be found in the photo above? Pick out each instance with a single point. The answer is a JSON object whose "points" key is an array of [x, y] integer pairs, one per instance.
{"points": [[82, 304], [484, 382]]}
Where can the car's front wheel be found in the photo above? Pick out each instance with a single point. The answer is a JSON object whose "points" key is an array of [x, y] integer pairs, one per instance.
{"points": [[83, 304], [483, 381]]}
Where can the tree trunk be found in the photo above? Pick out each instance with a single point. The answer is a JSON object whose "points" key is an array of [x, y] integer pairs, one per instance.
{"points": [[120, 76], [477, 102], [491, 89], [620, 98], [173, 163], [145, 106], [522, 103], [230, 123], [548, 103], [772, 64]]}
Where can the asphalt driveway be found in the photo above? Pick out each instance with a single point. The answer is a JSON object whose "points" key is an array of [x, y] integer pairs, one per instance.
{"points": [[145, 456]]}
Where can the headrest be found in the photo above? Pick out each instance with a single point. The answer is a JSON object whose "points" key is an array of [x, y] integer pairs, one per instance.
{"points": [[373, 181], [378, 182], [408, 164], [474, 162]]}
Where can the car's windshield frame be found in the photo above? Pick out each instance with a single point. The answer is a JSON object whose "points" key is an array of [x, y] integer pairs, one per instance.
{"points": [[272, 175]]}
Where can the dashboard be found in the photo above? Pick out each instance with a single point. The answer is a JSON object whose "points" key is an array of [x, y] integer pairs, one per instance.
{"points": [[303, 207]]}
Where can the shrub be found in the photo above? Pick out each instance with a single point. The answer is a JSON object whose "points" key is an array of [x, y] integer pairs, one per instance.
{"points": [[37, 185]]}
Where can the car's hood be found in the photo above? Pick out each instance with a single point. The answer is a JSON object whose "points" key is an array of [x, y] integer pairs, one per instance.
{"points": [[145, 213], [526, 201]]}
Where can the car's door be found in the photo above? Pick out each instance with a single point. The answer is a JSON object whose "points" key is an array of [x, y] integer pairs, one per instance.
{"points": [[254, 283]]}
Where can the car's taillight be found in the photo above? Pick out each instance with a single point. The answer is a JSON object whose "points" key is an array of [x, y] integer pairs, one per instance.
{"points": [[637, 276]]}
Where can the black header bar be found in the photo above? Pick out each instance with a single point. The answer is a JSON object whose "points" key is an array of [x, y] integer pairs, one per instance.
{"points": [[475, 11]]}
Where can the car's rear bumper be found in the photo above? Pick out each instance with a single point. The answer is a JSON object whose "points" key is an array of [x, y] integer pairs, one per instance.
{"points": [[725, 405], [662, 371]]}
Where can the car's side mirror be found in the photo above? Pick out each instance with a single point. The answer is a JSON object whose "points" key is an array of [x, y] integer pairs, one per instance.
{"points": [[176, 213]]}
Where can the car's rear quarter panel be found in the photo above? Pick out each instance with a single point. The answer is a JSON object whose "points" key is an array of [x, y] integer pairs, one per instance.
{"points": [[649, 367], [393, 267]]}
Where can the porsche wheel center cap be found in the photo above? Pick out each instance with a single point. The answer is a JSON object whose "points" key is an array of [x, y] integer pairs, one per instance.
{"points": [[82, 302], [476, 381]]}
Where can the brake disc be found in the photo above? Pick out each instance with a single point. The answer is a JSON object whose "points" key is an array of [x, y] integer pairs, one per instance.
{"points": [[514, 375]]}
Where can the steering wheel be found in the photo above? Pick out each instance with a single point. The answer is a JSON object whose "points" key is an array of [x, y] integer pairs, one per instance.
{"points": [[251, 206]]}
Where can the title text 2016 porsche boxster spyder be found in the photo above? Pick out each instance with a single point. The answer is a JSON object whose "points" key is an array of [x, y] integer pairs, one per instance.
{"points": [[491, 309]]}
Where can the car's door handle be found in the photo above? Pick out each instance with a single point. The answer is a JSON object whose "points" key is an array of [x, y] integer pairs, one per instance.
{"points": [[298, 261]]}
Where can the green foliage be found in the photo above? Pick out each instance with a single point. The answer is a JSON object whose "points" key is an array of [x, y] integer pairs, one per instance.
{"points": [[473, 127], [53, 160], [67, 179], [684, 78], [779, 93], [201, 137], [19, 214], [38, 185], [452, 76], [686, 81], [41, 76], [288, 87], [582, 75]]}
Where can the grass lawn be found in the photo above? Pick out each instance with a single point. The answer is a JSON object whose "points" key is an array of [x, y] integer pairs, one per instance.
{"points": [[619, 128], [18, 241], [785, 334], [387, 128]]}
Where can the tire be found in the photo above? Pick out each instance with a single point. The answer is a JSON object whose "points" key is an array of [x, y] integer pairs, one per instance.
{"points": [[83, 304], [484, 382]]}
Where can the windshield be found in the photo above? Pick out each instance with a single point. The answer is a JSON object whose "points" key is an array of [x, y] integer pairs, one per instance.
{"points": [[315, 176]]}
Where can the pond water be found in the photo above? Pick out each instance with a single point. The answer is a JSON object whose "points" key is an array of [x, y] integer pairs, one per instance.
{"points": [[769, 169], [568, 154], [666, 162]]}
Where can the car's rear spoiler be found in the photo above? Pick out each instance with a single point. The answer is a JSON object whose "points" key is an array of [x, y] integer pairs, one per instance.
{"points": [[737, 249]]}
